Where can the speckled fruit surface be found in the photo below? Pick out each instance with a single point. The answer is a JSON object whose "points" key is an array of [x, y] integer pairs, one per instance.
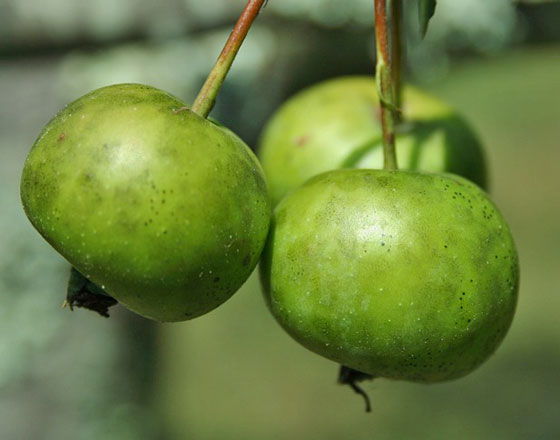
{"points": [[336, 124], [166, 211], [397, 274]]}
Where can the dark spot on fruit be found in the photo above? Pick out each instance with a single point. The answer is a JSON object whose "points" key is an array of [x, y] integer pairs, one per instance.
{"points": [[445, 246], [61, 137], [246, 260], [216, 279], [383, 181], [382, 243], [300, 141]]}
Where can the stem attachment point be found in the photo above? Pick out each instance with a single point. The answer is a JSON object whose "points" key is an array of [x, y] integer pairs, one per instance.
{"points": [[349, 376]]}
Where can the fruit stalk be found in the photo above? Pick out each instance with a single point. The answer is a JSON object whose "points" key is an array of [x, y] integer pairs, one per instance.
{"points": [[397, 53], [207, 96], [384, 78]]}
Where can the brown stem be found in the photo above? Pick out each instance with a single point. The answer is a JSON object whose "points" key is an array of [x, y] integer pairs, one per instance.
{"points": [[397, 53], [384, 77], [382, 41], [207, 96]]}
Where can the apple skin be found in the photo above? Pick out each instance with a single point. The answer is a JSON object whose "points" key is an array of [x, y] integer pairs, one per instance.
{"points": [[397, 274], [166, 211], [335, 124]]}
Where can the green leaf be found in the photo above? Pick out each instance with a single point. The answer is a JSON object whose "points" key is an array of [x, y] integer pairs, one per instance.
{"points": [[426, 9]]}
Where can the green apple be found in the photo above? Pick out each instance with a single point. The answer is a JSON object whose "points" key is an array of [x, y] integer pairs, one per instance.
{"points": [[336, 124], [396, 274], [164, 210]]}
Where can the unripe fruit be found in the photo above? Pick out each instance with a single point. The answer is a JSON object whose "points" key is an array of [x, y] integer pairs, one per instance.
{"points": [[166, 211], [396, 274], [335, 124]]}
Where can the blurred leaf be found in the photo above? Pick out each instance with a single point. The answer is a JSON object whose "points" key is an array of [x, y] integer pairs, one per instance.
{"points": [[426, 9]]}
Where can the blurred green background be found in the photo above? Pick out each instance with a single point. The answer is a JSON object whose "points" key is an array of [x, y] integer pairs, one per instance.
{"points": [[234, 374]]}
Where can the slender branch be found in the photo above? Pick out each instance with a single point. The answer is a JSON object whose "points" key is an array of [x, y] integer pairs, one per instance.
{"points": [[385, 89], [207, 96], [397, 48]]}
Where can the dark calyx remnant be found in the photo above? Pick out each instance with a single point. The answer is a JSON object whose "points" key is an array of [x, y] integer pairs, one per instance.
{"points": [[349, 376], [83, 293]]}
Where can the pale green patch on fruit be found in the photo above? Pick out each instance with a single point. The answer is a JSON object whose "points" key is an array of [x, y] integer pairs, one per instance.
{"points": [[397, 274], [165, 210], [335, 124]]}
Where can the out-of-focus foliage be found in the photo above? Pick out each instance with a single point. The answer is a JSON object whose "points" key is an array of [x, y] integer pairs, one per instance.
{"points": [[63, 20], [471, 25], [234, 373]]}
